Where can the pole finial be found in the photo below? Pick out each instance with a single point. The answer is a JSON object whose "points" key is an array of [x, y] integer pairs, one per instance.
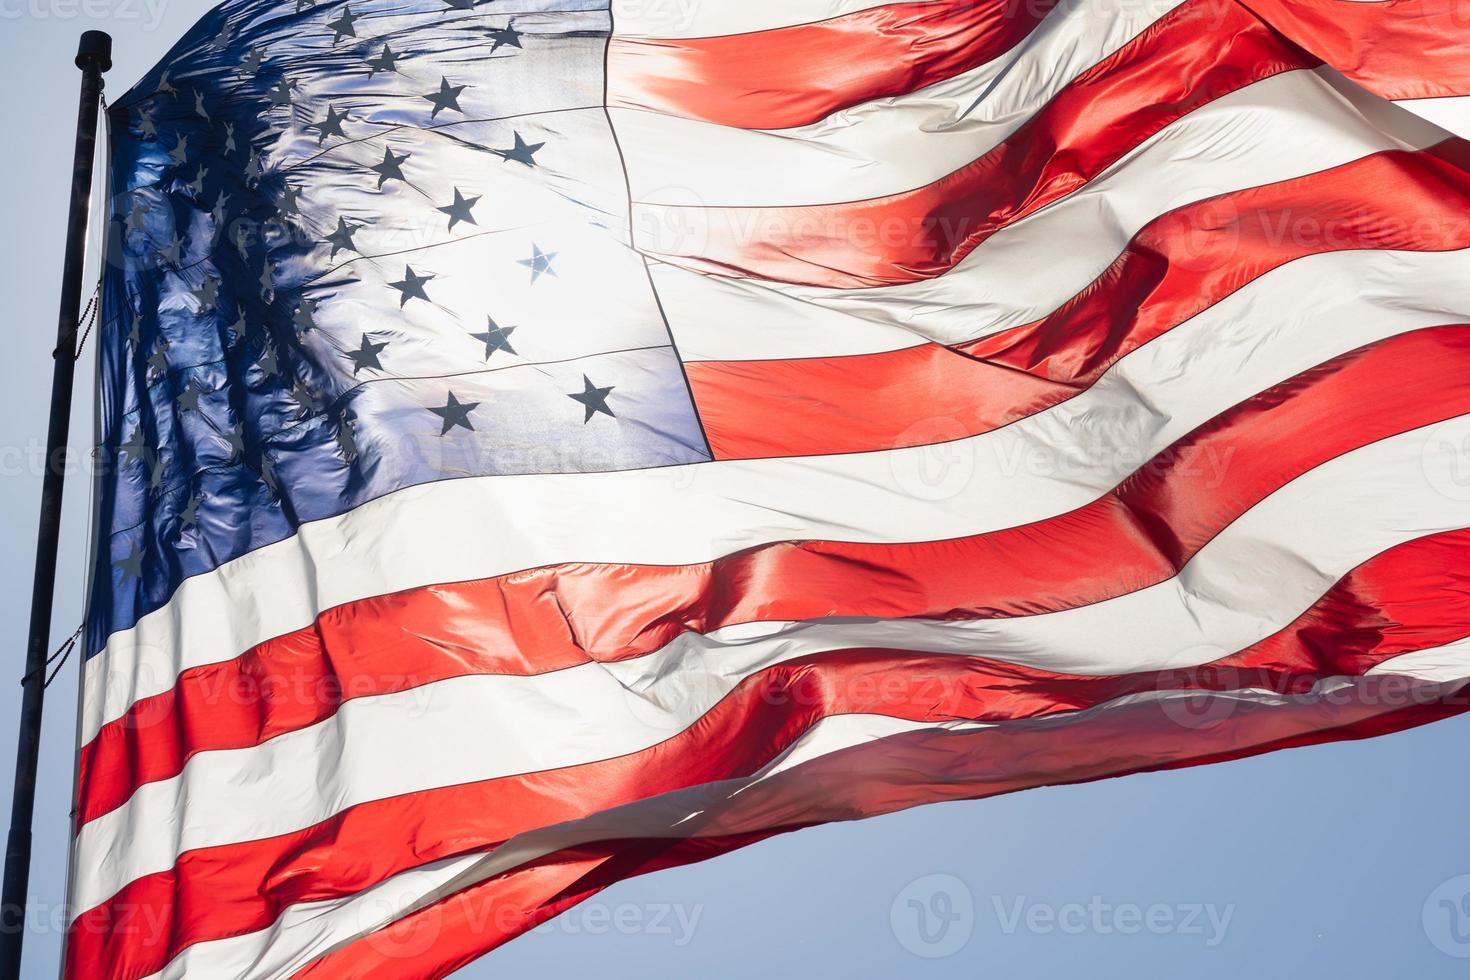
{"points": [[95, 51]]}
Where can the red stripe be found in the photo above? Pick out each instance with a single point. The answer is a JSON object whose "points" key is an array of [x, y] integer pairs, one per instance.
{"points": [[435, 941], [821, 405], [1177, 266], [1414, 596], [1401, 49], [792, 76], [1189, 58], [1140, 534]]}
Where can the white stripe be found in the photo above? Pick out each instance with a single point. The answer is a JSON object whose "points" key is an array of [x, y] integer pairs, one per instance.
{"points": [[690, 18], [718, 319], [1286, 126], [1450, 114], [457, 530], [1252, 579], [880, 147], [306, 931], [1441, 665]]}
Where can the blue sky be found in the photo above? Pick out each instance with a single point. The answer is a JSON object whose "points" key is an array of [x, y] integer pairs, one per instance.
{"points": [[1329, 861]]}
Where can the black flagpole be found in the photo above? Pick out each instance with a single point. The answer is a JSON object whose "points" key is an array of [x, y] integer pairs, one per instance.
{"points": [[94, 56]]}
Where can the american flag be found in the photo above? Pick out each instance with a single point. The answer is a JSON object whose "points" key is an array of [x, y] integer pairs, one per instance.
{"points": [[547, 442]]}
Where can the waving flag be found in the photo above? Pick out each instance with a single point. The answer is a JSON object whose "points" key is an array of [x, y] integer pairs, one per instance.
{"points": [[548, 443]]}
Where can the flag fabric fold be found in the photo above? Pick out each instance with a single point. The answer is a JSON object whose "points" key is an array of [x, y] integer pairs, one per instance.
{"points": [[547, 442]]}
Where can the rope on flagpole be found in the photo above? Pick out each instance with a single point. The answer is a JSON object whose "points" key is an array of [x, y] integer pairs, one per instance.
{"points": [[63, 651], [89, 318]]}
